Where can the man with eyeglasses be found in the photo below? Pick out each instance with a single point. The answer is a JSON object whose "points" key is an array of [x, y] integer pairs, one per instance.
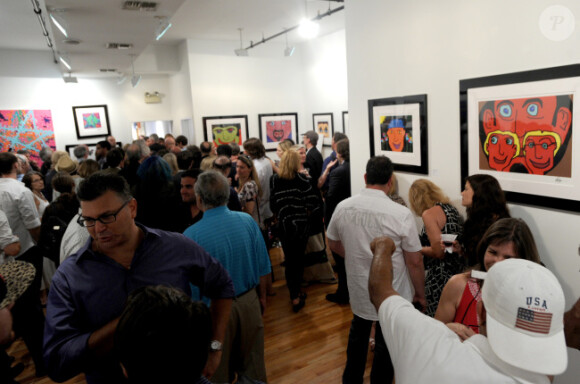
{"points": [[90, 288]]}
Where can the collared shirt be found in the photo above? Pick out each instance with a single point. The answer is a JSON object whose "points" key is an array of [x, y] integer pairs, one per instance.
{"points": [[239, 246], [89, 290], [424, 350], [6, 236], [356, 222], [17, 202]]}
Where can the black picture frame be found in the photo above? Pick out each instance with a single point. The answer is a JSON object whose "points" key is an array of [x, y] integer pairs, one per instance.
{"points": [[344, 122], [266, 119], [324, 134], [236, 120], [520, 188], [412, 113], [69, 148], [87, 127]]}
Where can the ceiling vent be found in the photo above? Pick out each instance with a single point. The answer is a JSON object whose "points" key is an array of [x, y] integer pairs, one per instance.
{"points": [[107, 70], [118, 46], [149, 6], [71, 41]]}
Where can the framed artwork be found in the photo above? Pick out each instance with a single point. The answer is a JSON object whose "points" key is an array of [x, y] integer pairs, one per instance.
{"points": [[518, 127], [398, 130], [344, 122], [26, 129], [226, 129], [323, 124], [92, 149], [277, 127], [91, 121]]}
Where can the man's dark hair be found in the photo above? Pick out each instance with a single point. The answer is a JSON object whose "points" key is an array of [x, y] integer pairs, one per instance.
{"points": [[184, 159], [205, 148], [163, 336], [224, 150], [99, 183], [379, 170], [193, 173], [63, 182], [7, 161], [104, 144], [154, 137], [181, 140], [114, 157], [254, 147], [156, 147], [342, 148], [339, 136], [235, 148]]}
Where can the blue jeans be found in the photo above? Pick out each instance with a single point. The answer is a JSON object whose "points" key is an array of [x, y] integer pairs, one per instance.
{"points": [[356, 354]]}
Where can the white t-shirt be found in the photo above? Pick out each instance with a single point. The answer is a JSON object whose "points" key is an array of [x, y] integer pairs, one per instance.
{"points": [[356, 222], [424, 350], [17, 202], [264, 170]]}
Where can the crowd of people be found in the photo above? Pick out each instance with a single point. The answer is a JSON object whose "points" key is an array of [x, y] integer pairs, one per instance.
{"points": [[116, 247]]}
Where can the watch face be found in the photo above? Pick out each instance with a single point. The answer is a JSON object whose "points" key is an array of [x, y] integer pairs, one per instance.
{"points": [[216, 345]]}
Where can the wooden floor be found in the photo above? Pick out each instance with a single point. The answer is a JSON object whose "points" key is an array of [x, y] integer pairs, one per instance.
{"points": [[307, 347]]}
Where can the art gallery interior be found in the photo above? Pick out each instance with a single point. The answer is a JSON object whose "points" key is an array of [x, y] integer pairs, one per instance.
{"points": [[372, 49]]}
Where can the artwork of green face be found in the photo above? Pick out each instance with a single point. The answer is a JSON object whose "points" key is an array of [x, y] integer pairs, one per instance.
{"points": [[225, 134]]}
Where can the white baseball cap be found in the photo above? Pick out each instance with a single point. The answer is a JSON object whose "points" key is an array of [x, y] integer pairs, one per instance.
{"points": [[525, 316]]}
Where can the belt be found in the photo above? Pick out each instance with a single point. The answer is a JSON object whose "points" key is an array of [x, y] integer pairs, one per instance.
{"points": [[243, 293]]}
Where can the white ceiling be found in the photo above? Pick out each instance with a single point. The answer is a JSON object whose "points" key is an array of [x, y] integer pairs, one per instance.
{"points": [[97, 22]]}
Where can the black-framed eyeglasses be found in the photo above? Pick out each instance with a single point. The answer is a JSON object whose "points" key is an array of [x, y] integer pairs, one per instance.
{"points": [[104, 219]]}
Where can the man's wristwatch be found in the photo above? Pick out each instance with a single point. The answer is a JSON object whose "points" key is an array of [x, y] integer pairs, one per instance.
{"points": [[215, 346]]}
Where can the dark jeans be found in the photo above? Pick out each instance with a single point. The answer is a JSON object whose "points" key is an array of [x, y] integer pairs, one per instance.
{"points": [[356, 354], [294, 249], [342, 289]]}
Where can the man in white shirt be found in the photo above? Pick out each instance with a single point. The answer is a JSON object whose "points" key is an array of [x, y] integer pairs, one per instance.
{"points": [[521, 312], [354, 224]]}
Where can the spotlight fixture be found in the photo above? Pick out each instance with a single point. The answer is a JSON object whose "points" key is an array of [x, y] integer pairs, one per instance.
{"points": [[241, 51], [162, 28], [121, 79], [308, 29], [70, 78], [59, 22], [289, 51], [65, 62], [135, 79]]}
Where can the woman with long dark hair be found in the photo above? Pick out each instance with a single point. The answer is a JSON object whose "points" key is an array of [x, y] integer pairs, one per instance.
{"points": [[293, 200]]}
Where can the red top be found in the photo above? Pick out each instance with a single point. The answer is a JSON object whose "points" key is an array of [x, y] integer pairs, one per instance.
{"points": [[466, 313]]}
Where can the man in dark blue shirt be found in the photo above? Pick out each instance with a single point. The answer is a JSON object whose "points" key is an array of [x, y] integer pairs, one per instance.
{"points": [[90, 288]]}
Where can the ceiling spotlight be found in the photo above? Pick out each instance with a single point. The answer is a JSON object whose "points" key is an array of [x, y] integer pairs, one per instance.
{"points": [[241, 51], [65, 62], [59, 22], [289, 51], [70, 78], [163, 27], [135, 79], [308, 29]]}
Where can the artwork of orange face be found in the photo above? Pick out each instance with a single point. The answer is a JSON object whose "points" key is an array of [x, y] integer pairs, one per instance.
{"points": [[323, 128], [278, 130], [506, 127]]}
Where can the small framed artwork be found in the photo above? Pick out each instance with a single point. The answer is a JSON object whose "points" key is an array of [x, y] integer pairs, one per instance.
{"points": [[277, 127], [519, 128], [92, 149], [226, 129], [398, 130], [91, 121], [323, 124], [344, 122]]}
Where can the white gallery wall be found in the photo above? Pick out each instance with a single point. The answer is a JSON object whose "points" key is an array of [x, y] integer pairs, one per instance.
{"points": [[397, 48]]}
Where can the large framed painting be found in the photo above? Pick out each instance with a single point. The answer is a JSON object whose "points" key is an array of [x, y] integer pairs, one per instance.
{"points": [[344, 122], [277, 127], [323, 124], [91, 121], [398, 130], [26, 129], [226, 129], [521, 128]]}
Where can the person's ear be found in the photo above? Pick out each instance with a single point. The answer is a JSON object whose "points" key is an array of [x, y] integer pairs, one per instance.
{"points": [[488, 120], [563, 121], [133, 208], [365, 178]]}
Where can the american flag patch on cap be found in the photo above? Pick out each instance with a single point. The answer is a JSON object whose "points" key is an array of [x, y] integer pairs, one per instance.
{"points": [[538, 322]]}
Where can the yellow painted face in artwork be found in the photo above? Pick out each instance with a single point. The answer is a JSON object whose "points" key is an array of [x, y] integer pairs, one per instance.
{"points": [[225, 134], [323, 128]]}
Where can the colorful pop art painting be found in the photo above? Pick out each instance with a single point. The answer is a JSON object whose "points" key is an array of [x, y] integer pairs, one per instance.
{"points": [[91, 120], [397, 133], [527, 135], [278, 127], [323, 124], [226, 129], [26, 129]]}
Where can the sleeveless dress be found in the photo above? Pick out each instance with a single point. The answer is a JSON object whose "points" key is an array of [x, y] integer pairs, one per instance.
{"points": [[438, 271], [466, 313]]}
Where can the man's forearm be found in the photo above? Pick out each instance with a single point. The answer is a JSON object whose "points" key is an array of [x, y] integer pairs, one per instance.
{"points": [[101, 341], [220, 314], [416, 273], [381, 273]]}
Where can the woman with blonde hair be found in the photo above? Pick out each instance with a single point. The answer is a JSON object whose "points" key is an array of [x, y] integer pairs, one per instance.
{"points": [[282, 147], [249, 189], [294, 201], [172, 161], [439, 217]]}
